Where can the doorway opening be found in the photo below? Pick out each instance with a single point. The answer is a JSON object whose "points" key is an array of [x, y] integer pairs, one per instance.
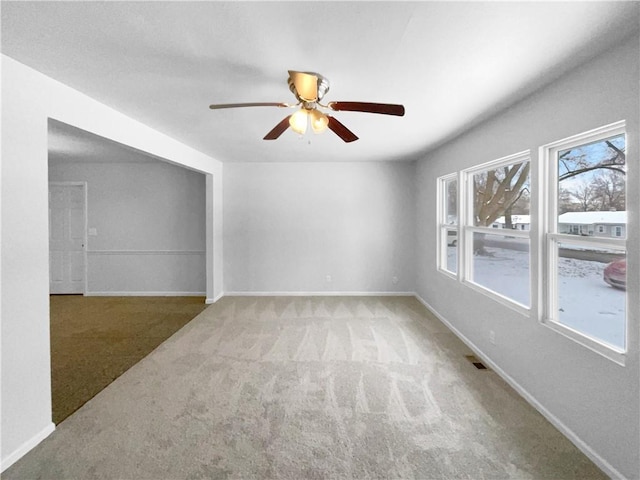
{"points": [[127, 259]]}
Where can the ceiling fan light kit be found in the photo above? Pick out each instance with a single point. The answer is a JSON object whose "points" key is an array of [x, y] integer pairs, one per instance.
{"points": [[319, 121], [309, 88], [298, 122]]}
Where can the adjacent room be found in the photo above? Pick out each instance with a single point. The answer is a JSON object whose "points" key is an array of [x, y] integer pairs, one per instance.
{"points": [[126, 261], [338, 239]]}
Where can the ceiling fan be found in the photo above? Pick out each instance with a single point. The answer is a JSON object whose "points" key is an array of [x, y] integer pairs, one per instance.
{"points": [[309, 88]]}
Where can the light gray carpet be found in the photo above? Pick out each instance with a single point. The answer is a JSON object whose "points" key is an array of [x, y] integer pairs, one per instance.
{"points": [[304, 388]]}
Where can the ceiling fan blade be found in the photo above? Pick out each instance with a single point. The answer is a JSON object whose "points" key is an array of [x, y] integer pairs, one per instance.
{"points": [[254, 104], [306, 85], [339, 129], [384, 108], [278, 129]]}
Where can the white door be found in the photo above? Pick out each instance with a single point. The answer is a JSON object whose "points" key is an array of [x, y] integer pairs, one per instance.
{"points": [[66, 238]]}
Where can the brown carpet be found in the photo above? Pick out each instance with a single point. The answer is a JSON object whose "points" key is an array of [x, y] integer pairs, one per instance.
{"points": [[94, 340]]}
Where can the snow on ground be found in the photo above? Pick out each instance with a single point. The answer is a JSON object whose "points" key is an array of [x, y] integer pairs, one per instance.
{"points": [[586, 302], [504, 271]]}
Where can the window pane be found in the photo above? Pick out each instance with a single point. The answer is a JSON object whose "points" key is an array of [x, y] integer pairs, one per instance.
{"points": [[451, 202], [452, 250], [592, 189], [591, 292], [501, 197], [501, 264]]}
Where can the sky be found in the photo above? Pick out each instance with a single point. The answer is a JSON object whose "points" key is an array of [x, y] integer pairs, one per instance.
{"points": [[593, 154]]}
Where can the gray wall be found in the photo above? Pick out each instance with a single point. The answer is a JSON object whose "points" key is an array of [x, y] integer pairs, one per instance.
{"points": [[589, 396], [150, 220], [289, 225]]}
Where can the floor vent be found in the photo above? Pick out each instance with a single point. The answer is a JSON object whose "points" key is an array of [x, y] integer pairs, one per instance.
{"points": [[476, 362]]}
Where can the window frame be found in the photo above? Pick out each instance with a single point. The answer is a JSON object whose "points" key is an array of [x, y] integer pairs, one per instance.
{"points": [[548, 194], [443, 227], [467, 227]]}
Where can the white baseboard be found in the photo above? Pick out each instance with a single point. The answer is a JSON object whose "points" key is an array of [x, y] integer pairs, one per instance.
{"points": [[209, 301], [26, 447], [555, 421], [146, 252], [145, 294], [319, 294]]}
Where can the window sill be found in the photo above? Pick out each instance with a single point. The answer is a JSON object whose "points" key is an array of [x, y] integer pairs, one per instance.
{"points": [[507, 302], [607, 351], [447, 273]]}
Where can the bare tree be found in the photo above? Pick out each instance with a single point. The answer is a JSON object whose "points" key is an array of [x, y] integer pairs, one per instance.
{"points": [[565, 202], [576, 162], [452, 200], [609, 190], [584, 196], [504, 191], [603, 185], [495, 193]]}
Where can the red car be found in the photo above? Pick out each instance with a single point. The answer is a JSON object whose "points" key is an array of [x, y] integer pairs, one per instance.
{"points": [[615, 274]]}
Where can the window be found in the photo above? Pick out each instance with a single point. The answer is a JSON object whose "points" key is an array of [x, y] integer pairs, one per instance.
{"points": [[497, 261], [585, 275], [448, 224]]}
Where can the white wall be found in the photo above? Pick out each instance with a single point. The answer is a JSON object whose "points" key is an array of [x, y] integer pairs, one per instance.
{"points": [[150, 220], [591, 398], [29, 99], [289, 225]]}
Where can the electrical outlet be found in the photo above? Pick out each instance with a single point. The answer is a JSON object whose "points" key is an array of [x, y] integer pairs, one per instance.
{"points": [[328, 278], [492, 337], [394, 280]]}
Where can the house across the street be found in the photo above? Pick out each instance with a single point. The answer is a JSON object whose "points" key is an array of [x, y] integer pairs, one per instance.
{"points": [[518, 222], [597, 224]]}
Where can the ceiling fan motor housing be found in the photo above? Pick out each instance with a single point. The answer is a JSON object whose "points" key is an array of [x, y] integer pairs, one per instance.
{"points": [[323, 86]]}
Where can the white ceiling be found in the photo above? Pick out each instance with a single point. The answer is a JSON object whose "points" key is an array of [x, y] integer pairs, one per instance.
{"points": [[70, 144], [452, 64]]}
